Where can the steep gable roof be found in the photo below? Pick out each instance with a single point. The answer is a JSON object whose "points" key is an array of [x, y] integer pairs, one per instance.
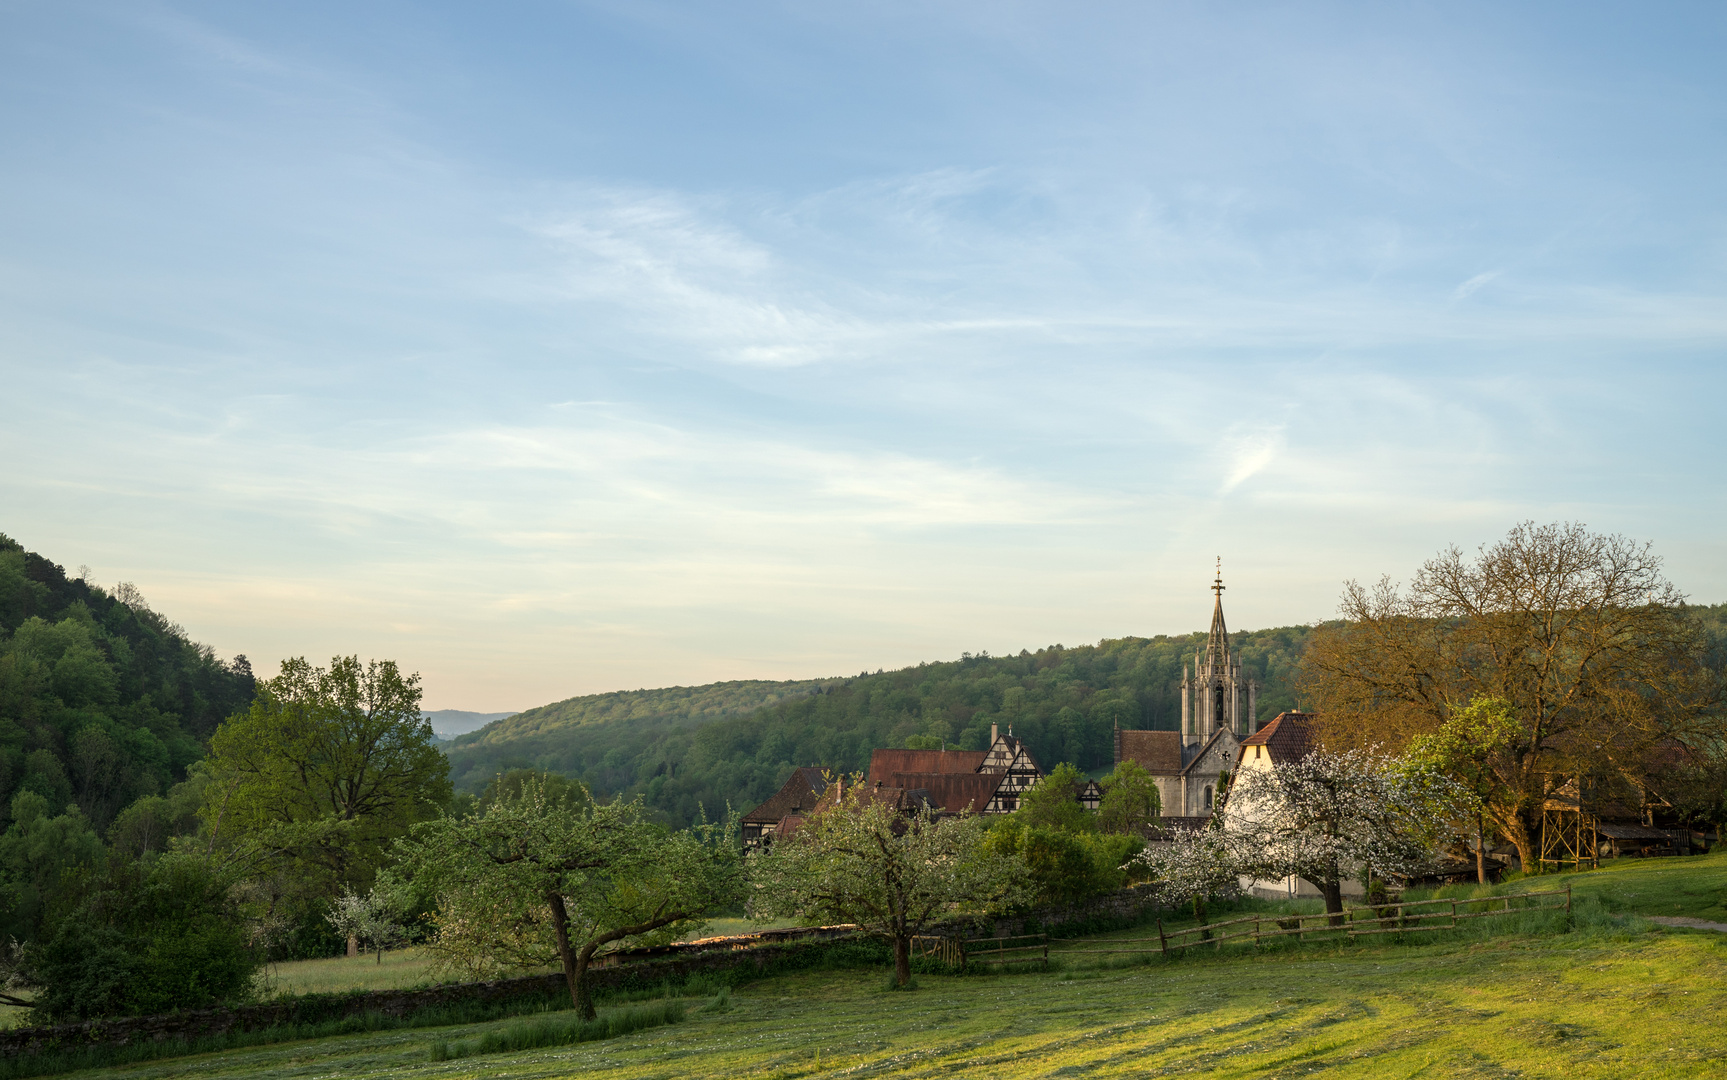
{"points": [[801, 791], [885, 762], [1290, 737], [1217, 737], [1007, 754], [1158, 751]]}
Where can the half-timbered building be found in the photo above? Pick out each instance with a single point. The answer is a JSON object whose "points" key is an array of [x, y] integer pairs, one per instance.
{"points": [[796, 799], [983, 781]]}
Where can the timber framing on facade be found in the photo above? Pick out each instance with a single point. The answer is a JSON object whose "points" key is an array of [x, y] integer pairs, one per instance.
{"points": [[984, 782]]}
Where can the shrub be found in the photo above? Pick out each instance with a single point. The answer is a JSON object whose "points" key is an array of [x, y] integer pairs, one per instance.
{"points": [[152, 937]]}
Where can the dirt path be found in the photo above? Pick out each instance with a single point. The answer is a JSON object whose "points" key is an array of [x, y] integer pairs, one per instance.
{"points": [[1695, 924]]}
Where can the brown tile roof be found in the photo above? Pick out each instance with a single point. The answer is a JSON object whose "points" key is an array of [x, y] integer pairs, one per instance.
{"points": [[893, 796], [801, 791], [884, 763], [1290, 737], [952, 792], [1157, 751]]}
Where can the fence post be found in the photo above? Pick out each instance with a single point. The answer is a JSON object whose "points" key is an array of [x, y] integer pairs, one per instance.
{"points": [[1568, 899], [1454, 914], [1162, 942]]}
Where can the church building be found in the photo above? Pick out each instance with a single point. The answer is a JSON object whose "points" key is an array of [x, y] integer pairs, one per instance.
{"points": [[1218, 703]]}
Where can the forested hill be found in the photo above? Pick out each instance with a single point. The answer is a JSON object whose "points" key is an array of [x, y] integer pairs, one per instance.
{"points": [[102, 700], [543, 737], [688, 748]]}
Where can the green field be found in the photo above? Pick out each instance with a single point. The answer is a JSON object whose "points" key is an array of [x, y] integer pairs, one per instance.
{"points": [[1615, 998], [1644, 1006]]}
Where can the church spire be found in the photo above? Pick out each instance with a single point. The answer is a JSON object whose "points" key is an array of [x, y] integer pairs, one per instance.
{"points": [[1217, 646]]}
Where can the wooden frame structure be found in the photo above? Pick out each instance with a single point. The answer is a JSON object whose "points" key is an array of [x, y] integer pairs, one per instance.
{"points": [[1569, 833]]}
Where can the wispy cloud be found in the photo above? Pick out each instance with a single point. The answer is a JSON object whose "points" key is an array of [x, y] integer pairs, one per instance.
{"points": [[1468, 287], [1249, 453]]}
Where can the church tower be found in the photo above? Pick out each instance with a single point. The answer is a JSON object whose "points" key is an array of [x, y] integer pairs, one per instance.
{"points": [[1214, 693]]}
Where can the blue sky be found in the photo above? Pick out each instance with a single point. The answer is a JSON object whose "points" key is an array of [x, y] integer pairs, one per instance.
{"points": [[554, 348]]}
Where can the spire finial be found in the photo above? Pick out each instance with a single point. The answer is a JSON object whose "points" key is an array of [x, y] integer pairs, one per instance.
{"points": [[1217, 586]]}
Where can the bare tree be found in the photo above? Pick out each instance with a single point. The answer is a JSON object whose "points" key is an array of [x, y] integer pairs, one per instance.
{"points": [[1591, 648]]}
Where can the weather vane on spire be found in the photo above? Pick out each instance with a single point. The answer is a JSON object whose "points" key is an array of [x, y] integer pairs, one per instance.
{"points": [[1217, 586]]}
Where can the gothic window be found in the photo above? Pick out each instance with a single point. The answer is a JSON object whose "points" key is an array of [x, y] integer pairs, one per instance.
{"points": [[1208, 797]]}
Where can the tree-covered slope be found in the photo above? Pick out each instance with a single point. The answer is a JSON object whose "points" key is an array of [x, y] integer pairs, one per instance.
{"points": [[102, 700], [547, 736], [1063, 702]]}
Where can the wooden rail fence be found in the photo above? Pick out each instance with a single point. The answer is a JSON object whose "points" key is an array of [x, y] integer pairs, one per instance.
{"points": [[1395, 917], [991, 950]]}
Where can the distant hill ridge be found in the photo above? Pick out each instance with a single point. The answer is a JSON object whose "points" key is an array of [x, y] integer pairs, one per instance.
{"points": [[690, 749], [694, 749], [667, 706]]}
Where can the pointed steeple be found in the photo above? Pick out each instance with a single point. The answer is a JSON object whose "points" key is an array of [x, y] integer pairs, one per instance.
{"points": [[1217, 645]]}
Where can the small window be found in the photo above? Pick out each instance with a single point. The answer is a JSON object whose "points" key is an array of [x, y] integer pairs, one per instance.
{"points": [[1208, 798]]}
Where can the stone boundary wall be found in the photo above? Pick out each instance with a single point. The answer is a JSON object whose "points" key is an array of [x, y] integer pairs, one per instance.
{"points": [[631, 967], [320, 1008]]}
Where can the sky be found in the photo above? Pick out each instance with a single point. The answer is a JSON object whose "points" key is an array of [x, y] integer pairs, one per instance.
{"points": [[554, 348]]}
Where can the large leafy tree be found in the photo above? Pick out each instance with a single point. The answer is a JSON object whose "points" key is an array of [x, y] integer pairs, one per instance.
{"points": [[865, 861], [1054, 802], [1590, 647], [1131, 801], [41, 853], [540, 878], [340, 756], [1476, 747]]}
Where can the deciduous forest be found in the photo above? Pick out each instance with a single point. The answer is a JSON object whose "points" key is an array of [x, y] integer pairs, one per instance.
{"points": [[689, 749], [102, 700]]}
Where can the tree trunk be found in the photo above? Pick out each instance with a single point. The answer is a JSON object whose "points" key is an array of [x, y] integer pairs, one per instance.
{"points": [[901, 959], [1517, 831], [353, 945], [1332, 890], [1480, 850], [575, 967], [1199, 914]]}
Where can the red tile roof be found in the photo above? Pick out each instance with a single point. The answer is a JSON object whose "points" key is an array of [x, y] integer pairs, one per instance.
{"points": [[1157, 751], [1290, 737], [884, 763]]}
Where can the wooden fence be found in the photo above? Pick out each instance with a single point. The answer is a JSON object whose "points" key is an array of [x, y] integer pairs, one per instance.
{"points": [[1395, 917], [991, 950]]}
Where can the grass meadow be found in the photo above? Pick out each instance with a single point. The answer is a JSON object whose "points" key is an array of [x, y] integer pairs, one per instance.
{"points": [[1624, 1004], [399, 969], [1606, 995]]}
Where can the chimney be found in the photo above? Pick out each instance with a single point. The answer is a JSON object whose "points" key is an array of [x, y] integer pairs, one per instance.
{"points": [[992, 735]]}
